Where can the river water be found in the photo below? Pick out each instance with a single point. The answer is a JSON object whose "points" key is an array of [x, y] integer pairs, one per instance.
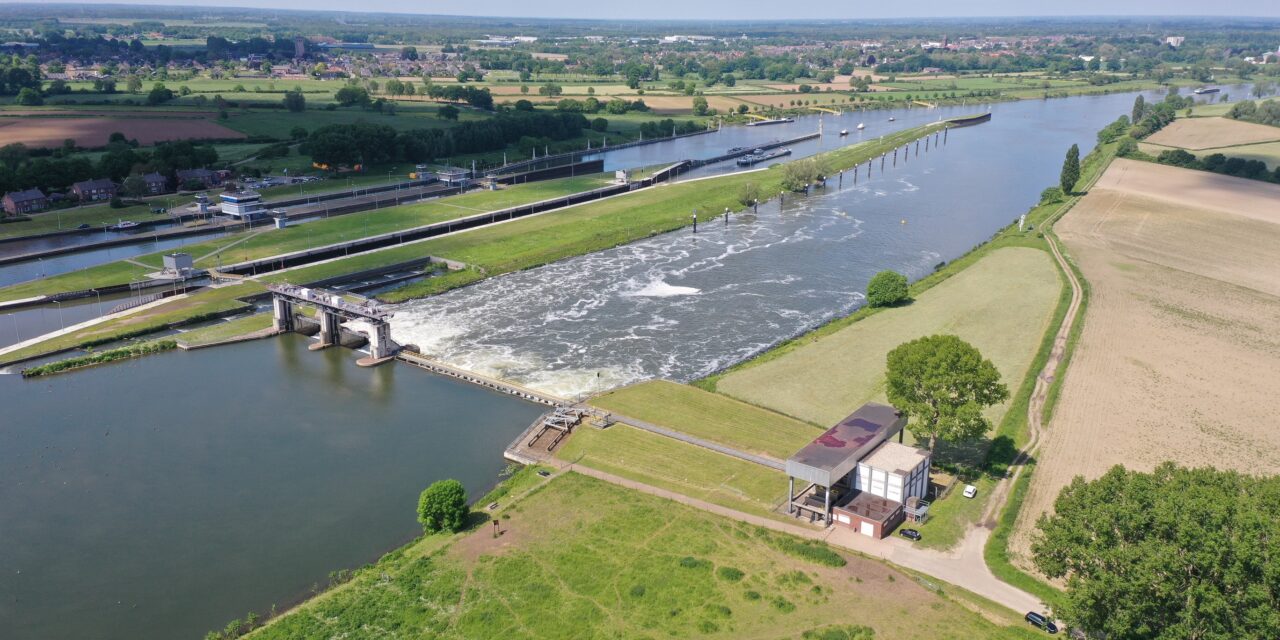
{"points": [[682, 305], [162, 497]]}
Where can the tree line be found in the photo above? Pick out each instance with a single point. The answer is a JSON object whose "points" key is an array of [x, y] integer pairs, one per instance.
{"points": [[364, 143], [19, 169], [1219, 163]]}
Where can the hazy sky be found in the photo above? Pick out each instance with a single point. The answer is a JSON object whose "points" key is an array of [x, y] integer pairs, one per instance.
{"points": [[760, 9]]}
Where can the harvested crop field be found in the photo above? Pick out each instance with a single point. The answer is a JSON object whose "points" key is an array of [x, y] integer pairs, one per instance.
{"points": [[94, 132], [1179, 353], [1208, 133], [684, 104], [1002, 305]]}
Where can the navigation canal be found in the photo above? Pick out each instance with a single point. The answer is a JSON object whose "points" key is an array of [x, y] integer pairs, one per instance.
{"points": [[163, 497], [682, 305]]}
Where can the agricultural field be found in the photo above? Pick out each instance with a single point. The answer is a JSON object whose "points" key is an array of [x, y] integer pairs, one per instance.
{"points": [[1179, 341], [1002, 305], [1195, 134], [666, 570], [37, 131], [710, 416]]}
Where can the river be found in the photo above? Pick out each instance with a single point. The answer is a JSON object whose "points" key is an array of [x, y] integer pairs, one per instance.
{"points": [[682, 306], [162, 497]]}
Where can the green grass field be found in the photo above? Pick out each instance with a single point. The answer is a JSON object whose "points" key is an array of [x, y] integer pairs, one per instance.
{"points": [[579, 558], [683, 468], [710, 416], [1001, 305]]}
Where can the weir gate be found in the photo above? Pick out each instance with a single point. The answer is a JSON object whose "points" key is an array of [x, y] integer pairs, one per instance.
{"points": [[332, 310]]}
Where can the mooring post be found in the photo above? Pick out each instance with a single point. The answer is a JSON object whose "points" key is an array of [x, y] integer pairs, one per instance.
{"points": [[917, 146], [726, 216], [895, 156], [945, 131], [695, 221], [926, 144], [755, 205], [882, 162], [840, 185]]}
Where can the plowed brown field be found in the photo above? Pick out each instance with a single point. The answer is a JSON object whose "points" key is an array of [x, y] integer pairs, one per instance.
{"points": [[1179, 358], [94, 132]]}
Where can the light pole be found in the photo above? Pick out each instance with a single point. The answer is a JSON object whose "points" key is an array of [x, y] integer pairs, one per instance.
{"points": [[60, 319], [99, 301], [17, 338]]}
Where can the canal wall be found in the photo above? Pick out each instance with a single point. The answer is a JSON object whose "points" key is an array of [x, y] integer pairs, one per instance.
{"points": [[563, 158]]}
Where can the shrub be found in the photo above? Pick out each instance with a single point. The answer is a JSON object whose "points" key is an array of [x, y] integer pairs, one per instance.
{"points": [[132, 351], [887, 288], [730, 574], [443, 506], [1051, 195], [752, 595]]}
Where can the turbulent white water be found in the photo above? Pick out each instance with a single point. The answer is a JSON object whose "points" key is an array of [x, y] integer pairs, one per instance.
{"points": [[677, 306]]}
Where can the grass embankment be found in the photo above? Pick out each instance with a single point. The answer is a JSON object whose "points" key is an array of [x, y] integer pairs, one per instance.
{"points": [[265, 242], [710, 416], [677, 466], [596, 226], [581, 558], [67, 219], [201, 305], [102, 357], [223, 331]]}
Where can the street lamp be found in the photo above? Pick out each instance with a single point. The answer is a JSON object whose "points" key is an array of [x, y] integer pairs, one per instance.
{"points": [[99, 301], [60, 319]]}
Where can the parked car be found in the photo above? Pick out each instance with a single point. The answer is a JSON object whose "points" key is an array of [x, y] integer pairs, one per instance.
{"points": [[910, 534], [544, 473], [970, 491], [83, 226], [1041, 621]]}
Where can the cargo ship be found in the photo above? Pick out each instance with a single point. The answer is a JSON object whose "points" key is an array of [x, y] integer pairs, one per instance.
{"points": [[760, 123], [760, 156]]}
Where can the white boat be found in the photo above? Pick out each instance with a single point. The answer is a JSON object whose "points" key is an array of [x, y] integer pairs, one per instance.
{"points": [[124, 224], [891, 119], [844, 132], [861, 126]]}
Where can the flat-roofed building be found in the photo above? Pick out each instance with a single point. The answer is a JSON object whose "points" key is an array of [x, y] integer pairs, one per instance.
{"points": [[245, 205], [856, 476]]}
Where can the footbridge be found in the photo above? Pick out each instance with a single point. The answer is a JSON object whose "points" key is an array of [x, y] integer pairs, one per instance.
{"points": [[333, 308]]}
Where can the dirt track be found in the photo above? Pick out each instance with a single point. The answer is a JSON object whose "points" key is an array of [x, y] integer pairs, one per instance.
{"points": [[1179, 354]]}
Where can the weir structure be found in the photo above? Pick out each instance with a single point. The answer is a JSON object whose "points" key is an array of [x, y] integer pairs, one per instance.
{"points": [[333, 309]]}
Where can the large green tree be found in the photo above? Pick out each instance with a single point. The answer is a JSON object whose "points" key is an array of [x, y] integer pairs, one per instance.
{"points": [[1139, 109], [943, 383], [443, 506], [1174, 554], [1071, 169], [887, 288]]}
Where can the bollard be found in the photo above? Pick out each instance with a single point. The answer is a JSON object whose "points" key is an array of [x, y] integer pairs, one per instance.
{"points": [[695, 223], [917, 147], [726, 216], [882, 163], [895, 157]]}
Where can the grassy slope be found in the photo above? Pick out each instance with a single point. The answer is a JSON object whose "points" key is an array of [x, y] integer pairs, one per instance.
{"points": [[220, 331], [581, 558], [684, 468], [710, 416]]}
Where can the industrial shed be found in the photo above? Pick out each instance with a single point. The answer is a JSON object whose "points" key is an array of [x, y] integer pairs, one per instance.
{"points": [[856, 476]]}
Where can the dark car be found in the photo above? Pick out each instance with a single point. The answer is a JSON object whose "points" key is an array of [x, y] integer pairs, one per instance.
{"points": [[910, 534], [84, 226], [1041, 621]]}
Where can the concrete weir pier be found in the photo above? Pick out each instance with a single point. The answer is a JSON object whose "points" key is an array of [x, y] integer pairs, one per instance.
{"points": [[332, 309]]}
